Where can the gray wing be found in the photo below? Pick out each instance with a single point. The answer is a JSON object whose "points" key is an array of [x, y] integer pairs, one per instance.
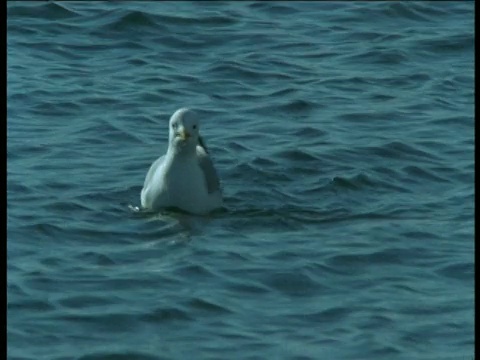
{"points": [[206, 164], [153, 168]]}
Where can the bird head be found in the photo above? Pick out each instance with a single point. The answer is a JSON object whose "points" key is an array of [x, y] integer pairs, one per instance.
{"points": [[184, 129]]}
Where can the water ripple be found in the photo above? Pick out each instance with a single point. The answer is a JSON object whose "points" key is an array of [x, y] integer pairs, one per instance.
{"points": [[346, 155]]}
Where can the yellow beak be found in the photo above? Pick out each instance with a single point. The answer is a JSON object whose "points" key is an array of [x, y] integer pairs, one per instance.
{"points": [[184, 135]]}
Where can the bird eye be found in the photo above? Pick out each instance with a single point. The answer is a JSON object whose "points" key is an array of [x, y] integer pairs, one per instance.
{"points": [[174, 126], [194, 126]]}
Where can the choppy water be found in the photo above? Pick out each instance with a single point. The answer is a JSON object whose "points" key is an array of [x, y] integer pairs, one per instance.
{"points": [[343, 135]]}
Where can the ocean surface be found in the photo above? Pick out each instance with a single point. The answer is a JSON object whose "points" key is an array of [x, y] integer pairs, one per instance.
{"points": [[343, 134]]}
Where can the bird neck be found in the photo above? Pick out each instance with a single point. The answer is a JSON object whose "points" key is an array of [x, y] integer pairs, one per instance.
{"points": [[182, 151]]}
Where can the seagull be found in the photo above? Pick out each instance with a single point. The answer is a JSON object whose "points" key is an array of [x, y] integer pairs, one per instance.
{"points": [[184, 177]]}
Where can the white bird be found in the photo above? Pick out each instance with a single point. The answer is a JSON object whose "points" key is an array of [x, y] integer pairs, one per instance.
{"points": [[184, 177]]}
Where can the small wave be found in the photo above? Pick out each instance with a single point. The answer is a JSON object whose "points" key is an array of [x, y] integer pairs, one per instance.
{"points": [[392, 256], [95, 258], [292, 284], [298, 105], [123, 355], [110, 130], [240, 71], [401, 150], [254, 289], [309, 132], [207, 19], [458, 271], [48, 230], [297, 155], [422, 173], [357, 182], [83, 301], [412, 11], [37, 305], [56, 108], [260, 161], [202, 305], [380, 56], [238, 146], [132, 20], [258, 172], [45, 9], [444, 45], [274, 8], [165, 315]]}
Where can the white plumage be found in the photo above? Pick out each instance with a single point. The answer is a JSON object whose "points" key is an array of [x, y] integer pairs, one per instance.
{"points": [[184, 177]]}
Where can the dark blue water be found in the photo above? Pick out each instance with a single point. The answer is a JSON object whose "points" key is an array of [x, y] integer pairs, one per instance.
{"points": [[343, 136]]}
